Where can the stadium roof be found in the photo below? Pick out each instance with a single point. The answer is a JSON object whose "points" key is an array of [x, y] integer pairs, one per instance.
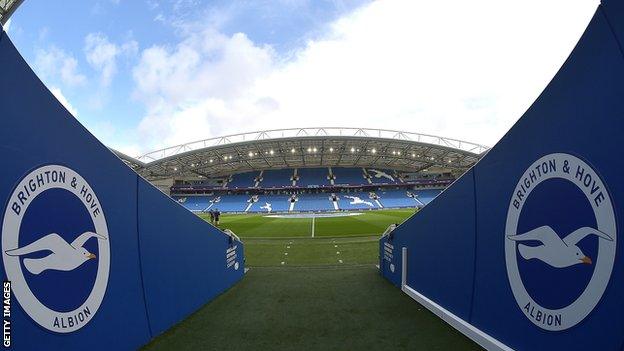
{"points": [[7, 7], [307, 147]]}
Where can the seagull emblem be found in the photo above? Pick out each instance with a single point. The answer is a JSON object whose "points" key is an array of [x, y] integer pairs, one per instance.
{"points": [[554, 251], [63, 256], [357, 200], [267, 206], [379, 174]]}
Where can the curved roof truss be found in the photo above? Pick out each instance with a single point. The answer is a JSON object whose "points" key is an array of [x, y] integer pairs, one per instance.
{"points": [[308, 147]]}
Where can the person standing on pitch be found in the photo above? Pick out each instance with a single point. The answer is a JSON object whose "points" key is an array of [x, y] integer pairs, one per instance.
{"points": [[211, 216], [216, 214]]}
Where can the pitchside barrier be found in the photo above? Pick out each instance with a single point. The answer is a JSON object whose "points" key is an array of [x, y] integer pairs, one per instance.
{"points": [[523, 251], [94, 257]]}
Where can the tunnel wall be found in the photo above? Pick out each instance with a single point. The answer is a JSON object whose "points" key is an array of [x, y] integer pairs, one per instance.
{"points": [[154, 262], [460, 255]]}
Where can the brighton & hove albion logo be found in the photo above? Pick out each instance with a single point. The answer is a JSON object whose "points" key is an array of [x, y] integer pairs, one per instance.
{"points": [[560, 241], [55, 248]]}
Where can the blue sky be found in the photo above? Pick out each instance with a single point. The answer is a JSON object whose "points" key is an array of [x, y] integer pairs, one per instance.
{"points": [[148, 74]]}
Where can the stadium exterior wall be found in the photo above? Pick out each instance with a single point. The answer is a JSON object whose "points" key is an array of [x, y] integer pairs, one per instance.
{"points": [[493, 254], [143, 263]]}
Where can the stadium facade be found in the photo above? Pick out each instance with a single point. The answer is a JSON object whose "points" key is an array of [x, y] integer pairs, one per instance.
{"points": [[308, 169]]}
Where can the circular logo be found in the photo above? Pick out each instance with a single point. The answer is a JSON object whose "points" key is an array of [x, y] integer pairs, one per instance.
{"points": [[55, 248], [560, 241]]}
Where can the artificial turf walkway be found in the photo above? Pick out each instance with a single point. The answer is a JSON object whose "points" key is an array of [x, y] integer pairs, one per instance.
{"points": [[304, 293], [312, 308]]}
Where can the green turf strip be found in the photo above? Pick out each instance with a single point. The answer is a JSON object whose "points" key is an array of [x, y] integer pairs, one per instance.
{"points": [[258, 225], [311, 251], [328, 308], [251, 225], [370, 222]]}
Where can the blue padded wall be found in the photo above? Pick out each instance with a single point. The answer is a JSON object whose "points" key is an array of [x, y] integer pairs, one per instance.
{"points": [[180, 253], [578, 114], [37, 131], [437, 244], [446, 239]]}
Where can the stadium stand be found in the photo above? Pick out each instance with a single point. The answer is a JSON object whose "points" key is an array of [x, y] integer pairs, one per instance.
{"points": [[231, 203], [382, 176], [314, 202], [381, 187], [425, 196], [348, 176], [242, 180], [272, 203], [388, 198], [401, 197], [307, 178], [276, 178], [312, 177], [356, 201]]}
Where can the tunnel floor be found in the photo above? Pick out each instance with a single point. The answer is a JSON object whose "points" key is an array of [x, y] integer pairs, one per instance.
{"points": [[312, 308]]}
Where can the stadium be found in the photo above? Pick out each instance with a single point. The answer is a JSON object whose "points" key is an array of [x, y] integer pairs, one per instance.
{"points": [[317, 189], [319, 238], [308, 169]]}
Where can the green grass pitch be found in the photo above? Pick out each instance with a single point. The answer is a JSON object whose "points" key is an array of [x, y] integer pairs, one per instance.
{"points": [[312, 293], [260, 226], [289, 242]]}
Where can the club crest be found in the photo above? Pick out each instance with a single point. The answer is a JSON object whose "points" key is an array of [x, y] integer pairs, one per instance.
{"points": [[560, 241], [56, 248]]}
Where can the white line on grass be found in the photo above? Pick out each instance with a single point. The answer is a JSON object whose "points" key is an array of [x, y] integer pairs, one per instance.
{"points": [[313, 227]]}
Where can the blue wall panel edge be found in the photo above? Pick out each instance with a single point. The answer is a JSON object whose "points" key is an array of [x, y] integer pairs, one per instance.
{"points": [[138, 235]]}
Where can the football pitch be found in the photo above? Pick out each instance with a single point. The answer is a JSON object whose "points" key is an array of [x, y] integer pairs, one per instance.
{"points": [[345, 240], [312, 285], [364, 223]]}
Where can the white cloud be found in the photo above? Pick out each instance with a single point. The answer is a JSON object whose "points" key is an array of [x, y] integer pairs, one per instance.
{"points": [[54, 63], [63, 100], [102, 55], [195, 84], [457, 69]]}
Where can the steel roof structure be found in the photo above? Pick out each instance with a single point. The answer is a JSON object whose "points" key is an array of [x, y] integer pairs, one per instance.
{"points": [[306, 148], [7, 8]]}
